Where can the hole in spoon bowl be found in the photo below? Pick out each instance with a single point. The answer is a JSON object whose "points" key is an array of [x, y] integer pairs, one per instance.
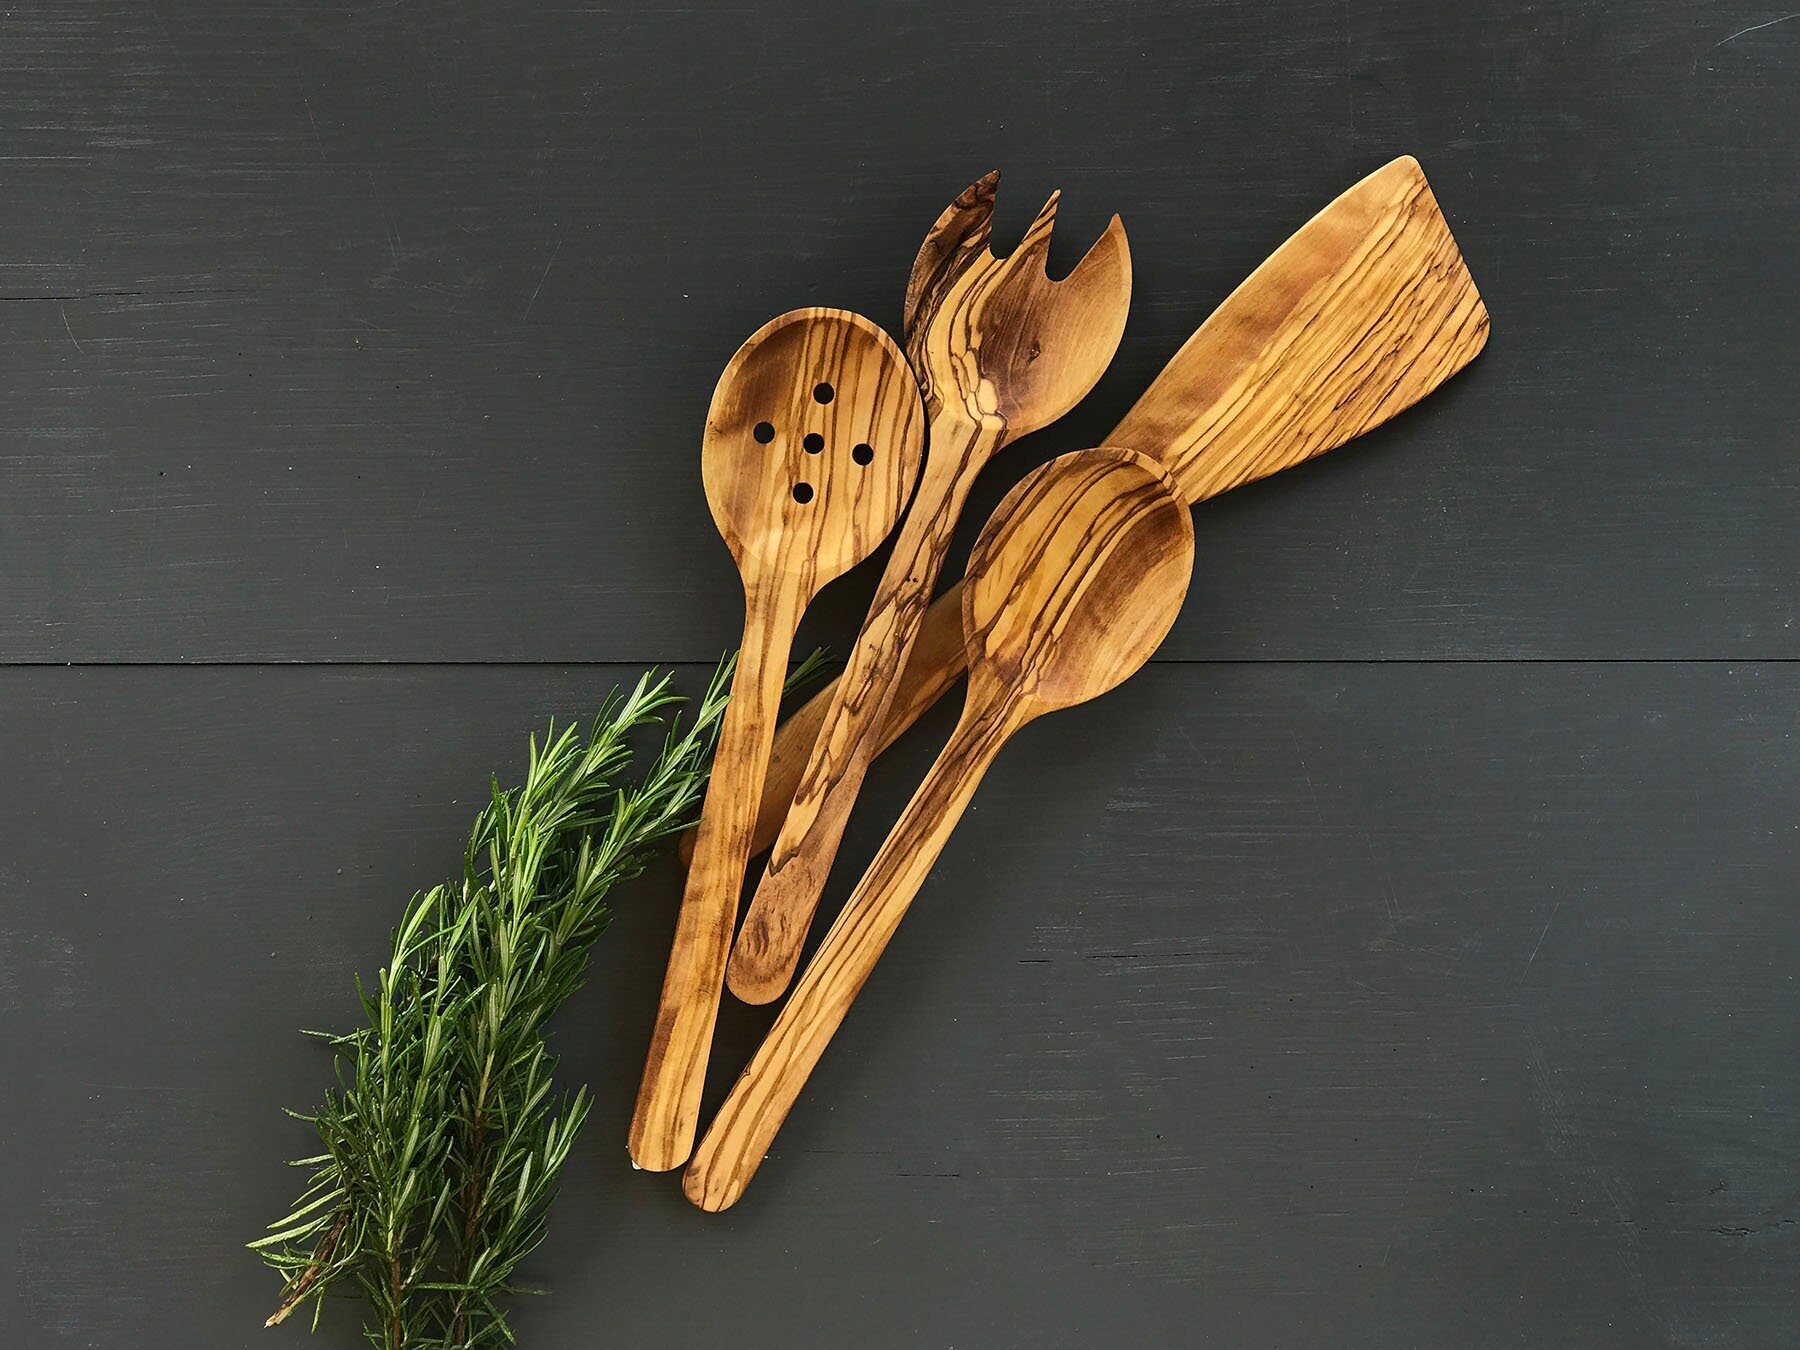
{"points": [[823, 393], [863, 454], [764, 432], [814, 442], [803, 493]]}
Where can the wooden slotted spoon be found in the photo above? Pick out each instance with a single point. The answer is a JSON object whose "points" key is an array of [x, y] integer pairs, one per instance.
{"points": [[813, 442], [1074, 582], [1360, 314], [1000, 351]]}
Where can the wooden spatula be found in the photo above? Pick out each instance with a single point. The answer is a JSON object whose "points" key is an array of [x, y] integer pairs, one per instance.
{"points": [[1360, 314], [1074, 581]]}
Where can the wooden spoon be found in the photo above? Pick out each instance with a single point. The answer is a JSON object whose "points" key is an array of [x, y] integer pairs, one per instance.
{"points": [[1073, 584], [812, 444], [1000, 350], [1364, 311]]}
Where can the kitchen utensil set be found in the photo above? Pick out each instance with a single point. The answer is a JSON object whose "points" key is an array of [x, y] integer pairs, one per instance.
{"points": [[812, 446], [1361, 313]]}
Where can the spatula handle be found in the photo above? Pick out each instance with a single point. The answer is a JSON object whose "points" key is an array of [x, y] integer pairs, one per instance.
{"points": [[768, 948], [746, 1125], [666, 1116]]}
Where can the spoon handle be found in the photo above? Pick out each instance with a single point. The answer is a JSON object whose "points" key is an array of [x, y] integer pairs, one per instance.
{"points": [[768, 948], [741, 1133], [664, 1121]]}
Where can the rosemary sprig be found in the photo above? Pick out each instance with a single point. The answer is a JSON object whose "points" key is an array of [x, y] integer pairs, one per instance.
{"points": [[446, 1134]]}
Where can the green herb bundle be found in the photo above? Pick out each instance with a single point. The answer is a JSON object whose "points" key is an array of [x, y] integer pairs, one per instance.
{"points": [[446, 1134]]}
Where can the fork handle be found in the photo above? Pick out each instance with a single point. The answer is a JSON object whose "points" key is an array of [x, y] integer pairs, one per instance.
{"points": [[781, 911], [747, 1123], [937, 662], [666, 1116]]}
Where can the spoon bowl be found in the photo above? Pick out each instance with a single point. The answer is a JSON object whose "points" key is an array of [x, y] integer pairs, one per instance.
{"points": [[1078, 582], [812, 443]]}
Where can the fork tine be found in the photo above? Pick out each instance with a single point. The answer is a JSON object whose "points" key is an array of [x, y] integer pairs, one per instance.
{"points": [[1036, 243], [966, 223], [1108, 260]]}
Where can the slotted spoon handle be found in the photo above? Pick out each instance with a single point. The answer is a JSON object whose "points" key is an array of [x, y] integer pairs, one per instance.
{"points": [[665, 1119], [740, 1135]]}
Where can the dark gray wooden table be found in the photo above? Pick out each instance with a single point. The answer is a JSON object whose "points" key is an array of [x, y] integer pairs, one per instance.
{"points": [[1408, 958]]}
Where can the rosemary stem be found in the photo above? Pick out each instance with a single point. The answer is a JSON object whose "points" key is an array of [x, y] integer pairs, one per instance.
{"points": [[445, 1136]]}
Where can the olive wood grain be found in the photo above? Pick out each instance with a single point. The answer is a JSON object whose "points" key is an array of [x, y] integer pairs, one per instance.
{"points": [[1000, 351], [1076, 580], [1361, 313], [813, 441]]}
